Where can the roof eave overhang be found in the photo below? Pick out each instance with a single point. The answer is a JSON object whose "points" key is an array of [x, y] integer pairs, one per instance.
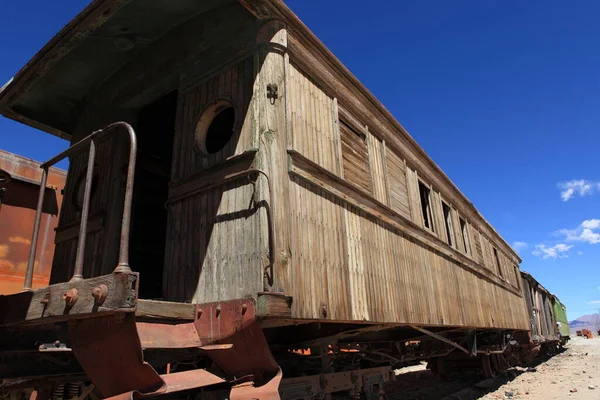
{"points": [[94, 15]]}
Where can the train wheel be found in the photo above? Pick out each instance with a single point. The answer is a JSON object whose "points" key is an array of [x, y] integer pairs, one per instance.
{"points": [[432, 365], [487, 367], [442, 368], [499, 363]]}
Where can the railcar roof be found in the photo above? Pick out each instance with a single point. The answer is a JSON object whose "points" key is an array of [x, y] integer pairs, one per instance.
{"points": [[49, 92], [541, 287]]}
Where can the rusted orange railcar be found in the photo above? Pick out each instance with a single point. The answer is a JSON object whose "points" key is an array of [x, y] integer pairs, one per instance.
{"points": [[19, 191]]}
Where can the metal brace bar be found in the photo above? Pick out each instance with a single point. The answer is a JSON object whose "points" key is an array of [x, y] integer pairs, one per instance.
{"points": [[443, 339]]}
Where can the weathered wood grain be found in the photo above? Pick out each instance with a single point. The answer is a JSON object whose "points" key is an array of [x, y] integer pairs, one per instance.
{"points": [[310, 55], [217, 237], [378, 168], [211, 177], [273, 142], [165, 310], [317, 176], [355, 155], [313, 127], [49, 305], [71, 231], [273, 305], [396, 177], [391, 263]]}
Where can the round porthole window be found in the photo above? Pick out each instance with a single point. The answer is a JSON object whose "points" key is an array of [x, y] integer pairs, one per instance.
{"points": [[215, 128]]}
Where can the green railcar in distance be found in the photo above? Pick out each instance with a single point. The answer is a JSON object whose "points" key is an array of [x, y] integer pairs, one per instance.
{"points": [[560, 314]]}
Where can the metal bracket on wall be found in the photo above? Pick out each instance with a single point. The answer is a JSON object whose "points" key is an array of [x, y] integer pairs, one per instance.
{"points": [[272, 94]]}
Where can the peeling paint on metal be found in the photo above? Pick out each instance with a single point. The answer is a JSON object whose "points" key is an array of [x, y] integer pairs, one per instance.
{"points": [[16, 226]]}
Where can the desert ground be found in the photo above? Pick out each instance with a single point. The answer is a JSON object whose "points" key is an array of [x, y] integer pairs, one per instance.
{"points": [[571, 374]]}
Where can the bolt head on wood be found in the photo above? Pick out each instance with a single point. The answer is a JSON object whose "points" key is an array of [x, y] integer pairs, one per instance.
{"points": [[46, 300], [71, 297], [100, 293]]}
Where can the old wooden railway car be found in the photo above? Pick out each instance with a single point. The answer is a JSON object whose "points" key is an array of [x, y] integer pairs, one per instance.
{"points": [[243, 204], [19, 187], [548, 316], [562, 322]]}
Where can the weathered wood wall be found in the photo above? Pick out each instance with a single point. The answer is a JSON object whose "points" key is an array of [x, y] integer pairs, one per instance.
{"points": [[214, 249], [541, 311], [360, 249], [197, 58]]}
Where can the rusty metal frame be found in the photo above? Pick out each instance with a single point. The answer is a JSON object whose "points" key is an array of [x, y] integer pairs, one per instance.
{"points": [[368, 380], [441, 338], [5, 179], [90, 143], [110, 347], [235, 322]]}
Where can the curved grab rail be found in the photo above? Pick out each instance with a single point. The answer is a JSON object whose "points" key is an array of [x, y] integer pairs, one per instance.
{"points": [[93, 139]]}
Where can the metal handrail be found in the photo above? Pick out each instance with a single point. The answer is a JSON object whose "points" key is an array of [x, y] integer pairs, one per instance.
{"points": [[93, 139]]}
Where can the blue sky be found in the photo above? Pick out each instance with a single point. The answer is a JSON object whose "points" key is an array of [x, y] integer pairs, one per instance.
{"points": [[503, 95]]}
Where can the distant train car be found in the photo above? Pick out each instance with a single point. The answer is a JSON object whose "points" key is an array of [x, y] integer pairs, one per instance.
{"points": [[19, 197], [548, 316], [562, 322]]}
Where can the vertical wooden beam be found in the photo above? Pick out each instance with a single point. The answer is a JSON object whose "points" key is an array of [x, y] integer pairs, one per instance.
{"points": [[273, 133], [337, 139]]}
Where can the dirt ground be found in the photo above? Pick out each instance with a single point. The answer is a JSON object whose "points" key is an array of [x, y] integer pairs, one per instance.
{"points": [[573, 374]]}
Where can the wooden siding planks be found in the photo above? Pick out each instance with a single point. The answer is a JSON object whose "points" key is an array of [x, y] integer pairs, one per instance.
{"points": [[377, 164], [438, 216], [319, 256], [355, 155], [216, 245], [396, 176], [312, 121], [412, 184], [383, 275], [478, 246], [386, 276], [235, 85]]}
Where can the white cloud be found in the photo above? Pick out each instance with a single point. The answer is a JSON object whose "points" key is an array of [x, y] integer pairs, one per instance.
{"points": [[594, 302], [591, 224], [588, 232], [520, 245], [580, 253], [580, 187], [556, 251]]}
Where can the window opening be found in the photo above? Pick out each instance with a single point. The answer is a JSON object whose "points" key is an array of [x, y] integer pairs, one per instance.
{"points": [[425, 194], [448, 223], [220, 130], [497, 260], [215, 128], [465, 235]]}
